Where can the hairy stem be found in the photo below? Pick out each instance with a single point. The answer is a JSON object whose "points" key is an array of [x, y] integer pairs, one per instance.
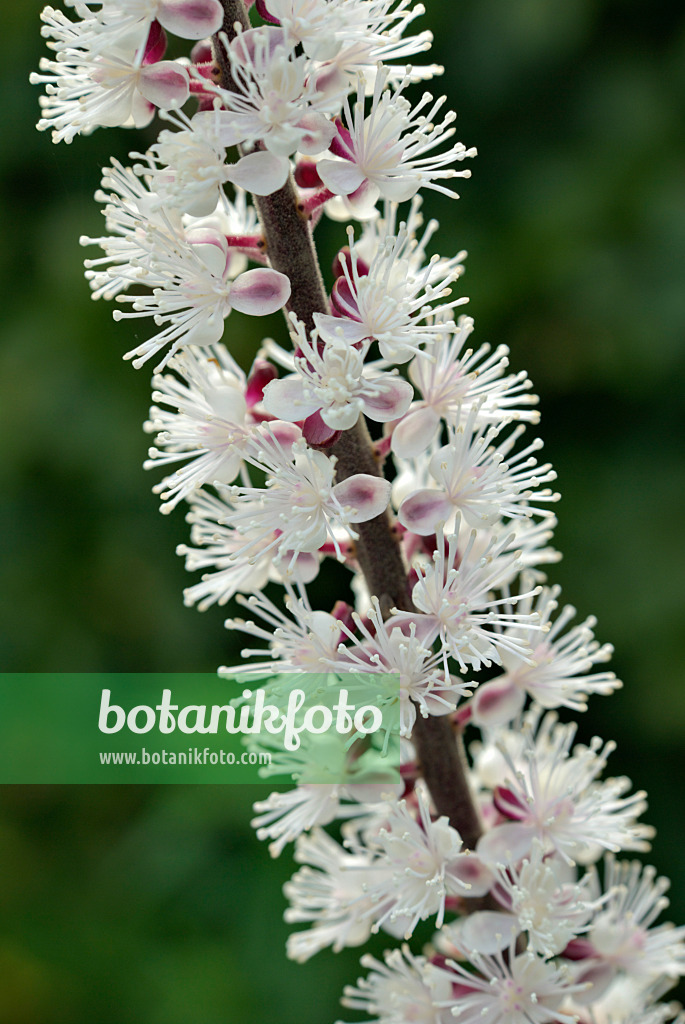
{"points": [[290, 249]]}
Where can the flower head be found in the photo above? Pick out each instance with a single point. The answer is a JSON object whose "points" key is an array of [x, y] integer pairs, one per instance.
{"points": [[331, 379], [91, 85], [388, 153], [193, 291]]}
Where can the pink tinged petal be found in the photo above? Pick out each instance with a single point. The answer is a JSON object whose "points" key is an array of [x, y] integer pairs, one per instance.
{"points": [[486, 931], [165, 84], [343, 300], [330, 81], [285, 433], [367, 495], [363, 200], [260, 292], [306, 567], [207, 236], [334, 328], [211, 249], [344, 613], [391, 403], [119, 105], [316, 432], [261, 374], [142, 111], [246, 45], [506, 844], [398, 190], [318, 132], [414, 434], [343, 258], [579, 949], [422, 511], [207, 332], [340, 176], [284, 399], [425, 629], [318, 538], [469, 869], [283, 141], [191, 19], [497, 702], [155, 46], [261, 173], [435, 705], [228, 468]]}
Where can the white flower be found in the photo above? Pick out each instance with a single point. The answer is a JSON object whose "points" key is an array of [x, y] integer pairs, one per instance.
{"points": [[391, 301], [400, 991], [239, 562], [282, 817], [450, 379], [552, 793], [373, 33], [218, 548], [555, 674], [388, 153], [130, 210], [520, 990], [275, 98], [207, 429], [454, 598], [547, 905], [388, 647], [188, 167], [193, 273], [89, 86], [195, 293], [189, 19], [629, 1002], [304, 642], [301, 500], [330, 378], [423, 863], [349, 34], [331, 892], [622, 936], [388, 223], [315, 24], [474, 478]]}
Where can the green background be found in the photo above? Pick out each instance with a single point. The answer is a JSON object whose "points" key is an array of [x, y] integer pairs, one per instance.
{"points": [[156, 905]]}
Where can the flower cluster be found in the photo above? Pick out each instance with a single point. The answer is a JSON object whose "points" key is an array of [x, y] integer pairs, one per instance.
{"points": [[441, 516]]}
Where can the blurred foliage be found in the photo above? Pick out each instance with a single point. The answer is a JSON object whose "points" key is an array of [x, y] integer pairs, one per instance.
{"points": [[131, 904]]}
